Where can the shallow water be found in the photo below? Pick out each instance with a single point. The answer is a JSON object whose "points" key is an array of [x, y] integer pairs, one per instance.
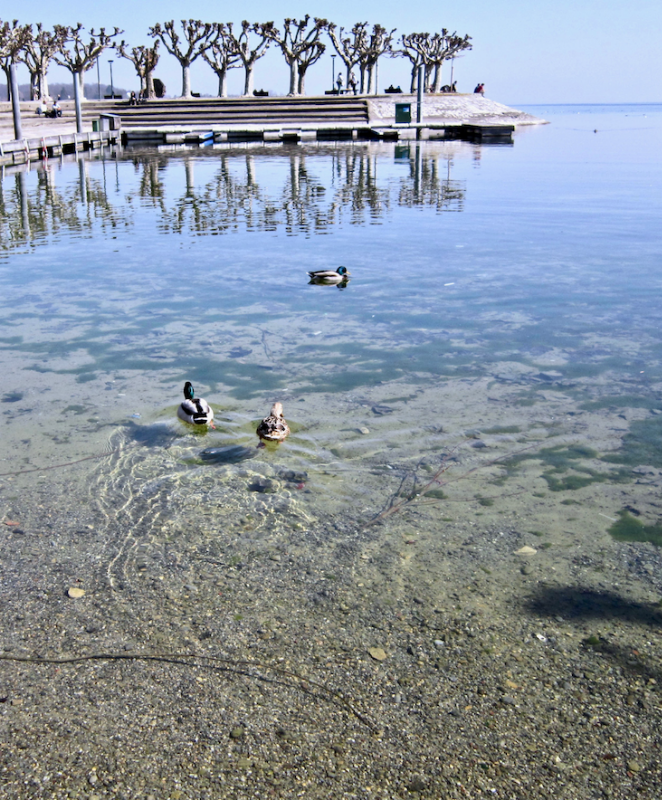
{"points": [[489, 378]]}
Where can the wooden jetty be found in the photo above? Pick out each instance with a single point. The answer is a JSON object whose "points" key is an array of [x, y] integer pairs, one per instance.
{"points": [[23, 151]]}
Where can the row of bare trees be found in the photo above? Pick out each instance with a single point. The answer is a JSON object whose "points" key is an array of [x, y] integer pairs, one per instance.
{"points": [[225, 47]]}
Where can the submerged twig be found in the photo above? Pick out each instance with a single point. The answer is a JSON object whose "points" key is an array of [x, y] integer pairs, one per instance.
{"points": [[237, 666], [414, 495], [57, 466]]}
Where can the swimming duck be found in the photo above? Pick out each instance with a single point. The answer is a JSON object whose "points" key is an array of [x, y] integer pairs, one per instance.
{"points": [[274, 428], [195, 410], [328, 276]]}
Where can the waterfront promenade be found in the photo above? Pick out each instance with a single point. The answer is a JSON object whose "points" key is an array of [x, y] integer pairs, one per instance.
{"points": [[270, 114]]}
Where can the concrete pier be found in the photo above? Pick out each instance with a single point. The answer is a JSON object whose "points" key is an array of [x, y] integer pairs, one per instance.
{"points": [[269, 119]]}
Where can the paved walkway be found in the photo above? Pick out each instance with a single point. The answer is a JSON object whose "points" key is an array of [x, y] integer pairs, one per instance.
{"points": [[438, 109]]}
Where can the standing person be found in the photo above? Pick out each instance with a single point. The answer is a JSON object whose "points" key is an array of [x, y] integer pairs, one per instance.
{"points": [[339, 83], [352, 82]]}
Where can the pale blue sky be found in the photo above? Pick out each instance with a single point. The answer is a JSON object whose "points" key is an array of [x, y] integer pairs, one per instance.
{"points": [[525, 51]]}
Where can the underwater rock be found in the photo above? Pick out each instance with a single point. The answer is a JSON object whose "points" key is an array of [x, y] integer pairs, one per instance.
{"points": [[293, 476], [263, 486], [240, 352], [230, 454], [550, 375], [377, 653]]}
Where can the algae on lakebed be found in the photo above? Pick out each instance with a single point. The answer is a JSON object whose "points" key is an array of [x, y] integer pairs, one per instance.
{"points": [[561, 459], [642, 445], [630, 529]]}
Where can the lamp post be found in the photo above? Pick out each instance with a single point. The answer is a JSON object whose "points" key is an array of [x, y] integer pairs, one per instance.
{"points": [[333, 71], [98, 79], [112, 88]]}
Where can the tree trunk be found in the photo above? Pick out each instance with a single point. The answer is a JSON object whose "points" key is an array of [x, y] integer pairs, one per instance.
{"points": [[428, 72], [414, 78], [436, 85], [222, 83], [293, 78], [248, 83], [6, 71], [186, 81], [43, 86], [151, 94], [301, 83], [362, 82], [34, 85], [81, 85], [371, 80]]}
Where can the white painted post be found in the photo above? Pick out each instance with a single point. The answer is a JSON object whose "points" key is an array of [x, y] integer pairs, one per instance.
{"points": [[15, 102], [419, 95]]}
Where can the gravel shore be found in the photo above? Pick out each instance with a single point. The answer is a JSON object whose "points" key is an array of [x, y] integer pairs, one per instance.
{"points": [[252, 658]]}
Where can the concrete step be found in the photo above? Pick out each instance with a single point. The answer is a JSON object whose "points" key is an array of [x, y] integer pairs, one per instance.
{"points": [[234, 111]]}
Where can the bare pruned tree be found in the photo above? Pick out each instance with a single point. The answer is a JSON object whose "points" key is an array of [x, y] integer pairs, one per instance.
{"points": [[222, 56], [144, 59], [348, 47], [370, 47], [79, 56], [39, 49], [250, 51], [431, 51], [301, 47], [197, 37], [13, 38]]}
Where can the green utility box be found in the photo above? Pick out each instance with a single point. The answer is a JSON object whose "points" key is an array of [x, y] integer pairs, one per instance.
{"points": [[403, 112]]}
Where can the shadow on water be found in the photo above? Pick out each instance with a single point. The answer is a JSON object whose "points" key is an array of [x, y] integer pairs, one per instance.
{"points": [[577, 603]]}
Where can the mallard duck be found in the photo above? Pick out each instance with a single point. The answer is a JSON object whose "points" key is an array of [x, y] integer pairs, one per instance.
{"points": [[274, 428], [328, 276], [195, 410]]}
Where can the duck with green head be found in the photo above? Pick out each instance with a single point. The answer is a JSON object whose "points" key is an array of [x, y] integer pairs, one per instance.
{"points": [[195, 410], [327, 277]]}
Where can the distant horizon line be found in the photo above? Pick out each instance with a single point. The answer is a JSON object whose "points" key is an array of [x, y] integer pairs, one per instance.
{"points": [[609, 103]]}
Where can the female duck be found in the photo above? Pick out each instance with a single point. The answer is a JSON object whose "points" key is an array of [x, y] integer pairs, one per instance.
{"points": [[274, 428], [328, 276], [195, 410]]}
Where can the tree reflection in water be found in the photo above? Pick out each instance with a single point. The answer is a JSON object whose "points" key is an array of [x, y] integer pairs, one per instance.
{"points": [[303, 190], [237, 197], [429, 183], [31, 215]]}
